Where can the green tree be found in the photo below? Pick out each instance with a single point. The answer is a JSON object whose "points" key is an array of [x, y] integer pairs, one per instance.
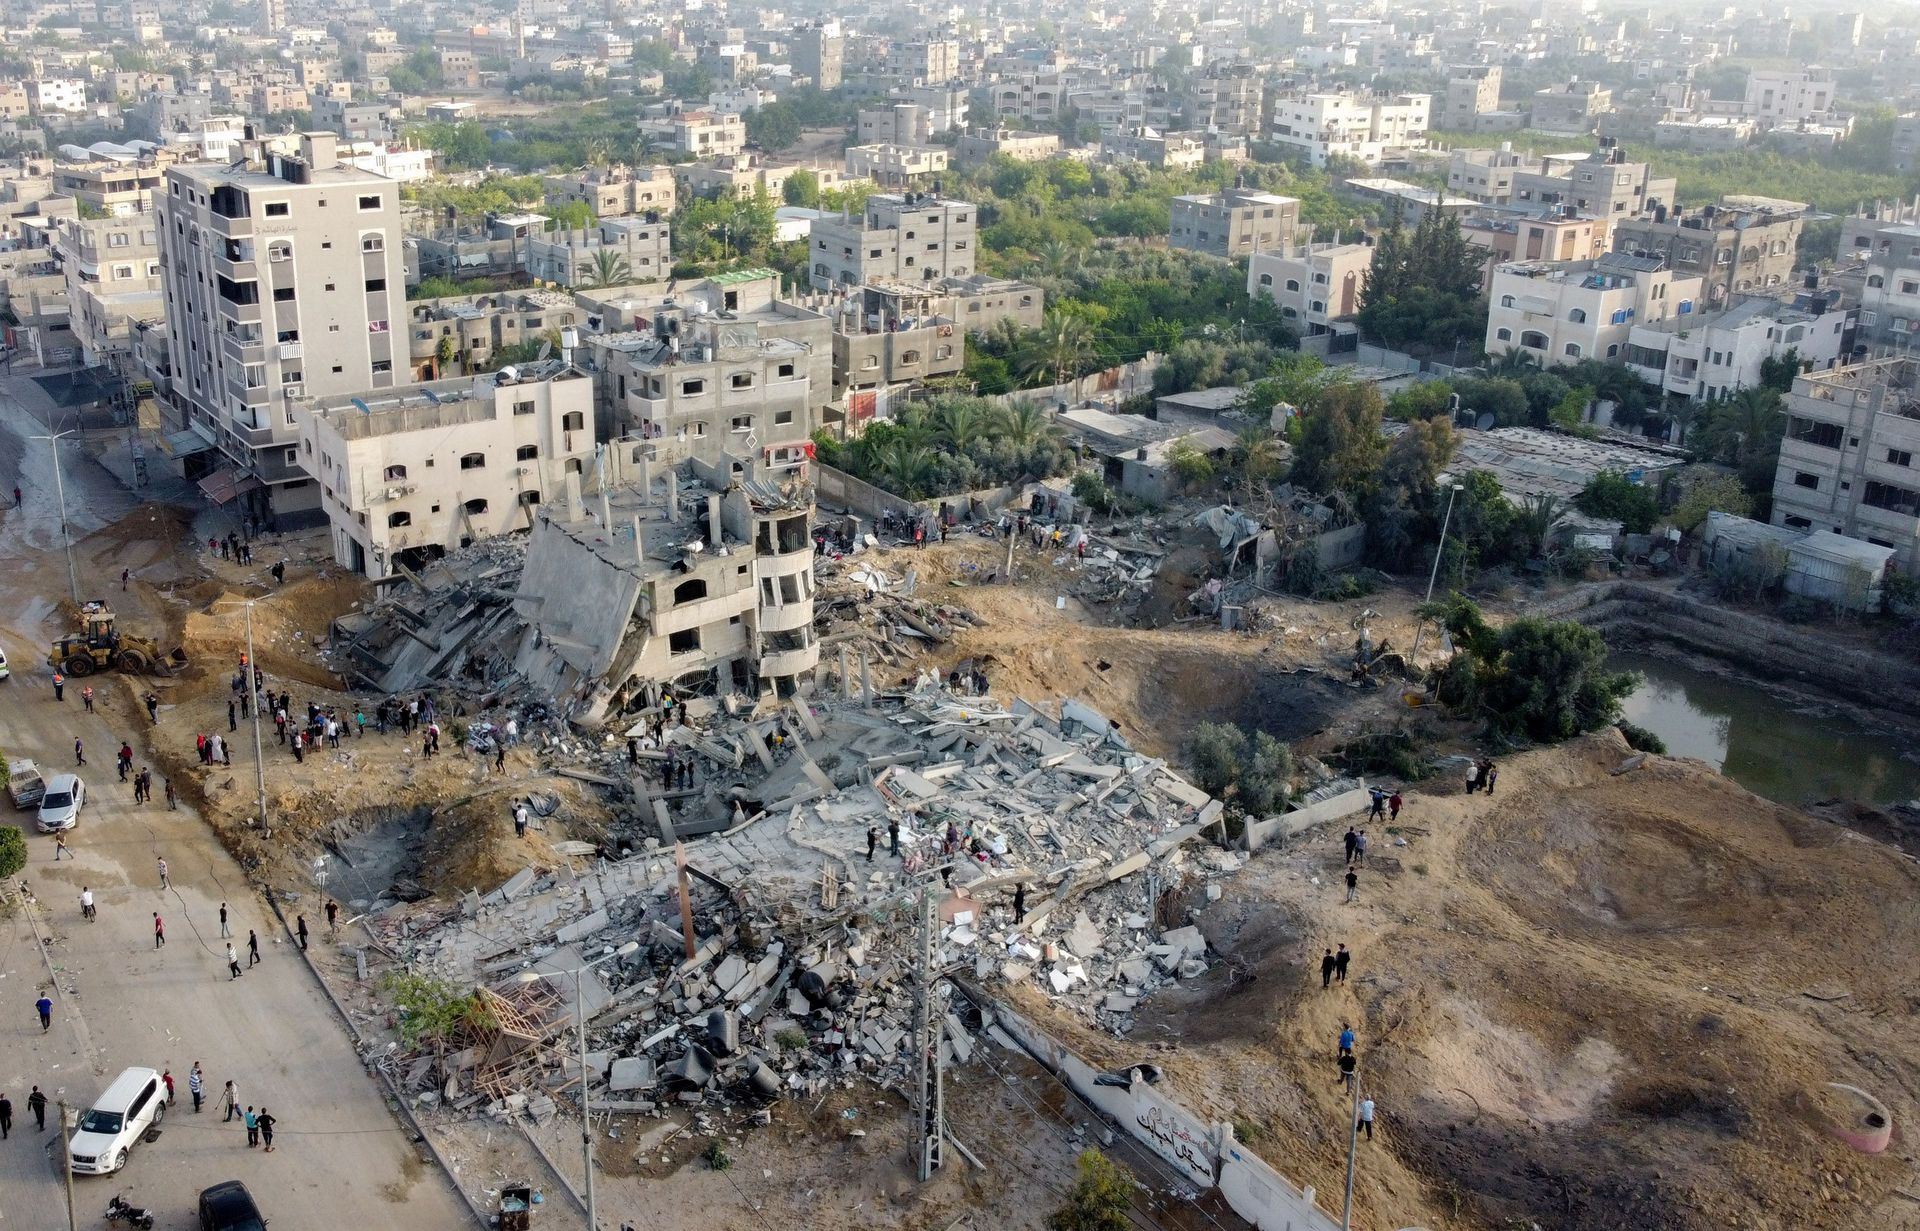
{"points": [[651, 55], [1340, 444], [13, 852], [1613, 495], [1715, 494], [1530, 680], [801, 188], [1062, 348], [773, 128], [607, 268]]}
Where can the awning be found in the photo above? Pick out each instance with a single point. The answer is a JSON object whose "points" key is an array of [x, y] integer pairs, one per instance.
{"points": [[184, 444], [226, 483]]}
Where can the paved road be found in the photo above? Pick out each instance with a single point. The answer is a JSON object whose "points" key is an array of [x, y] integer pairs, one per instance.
{"points": [[343, 1160]]}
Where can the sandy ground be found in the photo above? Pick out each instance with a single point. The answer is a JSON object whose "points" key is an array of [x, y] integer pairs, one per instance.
{"points": [[1594, 1001]]}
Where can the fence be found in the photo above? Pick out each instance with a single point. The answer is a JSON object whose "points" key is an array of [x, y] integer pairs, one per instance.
{"points": [[1207, 1155], [1257, 834], [1122, 381]]}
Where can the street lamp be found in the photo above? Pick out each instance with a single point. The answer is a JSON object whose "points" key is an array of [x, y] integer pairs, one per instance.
{"points": [[580, 1025], [1434, 576], [60, 487], [259, 757]]}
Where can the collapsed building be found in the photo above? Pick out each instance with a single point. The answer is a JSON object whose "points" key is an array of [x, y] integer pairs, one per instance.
{"points": [[697, 578]]}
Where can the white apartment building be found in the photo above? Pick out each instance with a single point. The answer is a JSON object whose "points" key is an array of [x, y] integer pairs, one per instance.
{"points": [[1473, 90], [62, 94], [1847, 462], [704, 134], [389, 161], [615, 190], [1706, 355], [901, 237], [258, 266], [1882, 259], [1563, 312], [896, 166], [112, 267], [1602, 186], [1485, 175], [410, 472], [1783, 99], [1349, 126], [1312, 284]]}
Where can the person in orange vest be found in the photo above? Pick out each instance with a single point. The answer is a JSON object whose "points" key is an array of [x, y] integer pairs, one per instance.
{"points": [[59, 686]]}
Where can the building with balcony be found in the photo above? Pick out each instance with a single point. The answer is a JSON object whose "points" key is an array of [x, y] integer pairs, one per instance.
{"points": [[355, 121], [1563, 312], [1170, 151], [698, 577], [818, 53], [703, 134], [612, 252], [896, 166], [1313, 285], [259, 263], [1745, 244], [1556, 233], [616, 190], [1225, 98], [894, 334], [108, 186], [1605, 185], [1778, 98], [1473, 90], [1234, 223], [58, 95], [981, 145], [1366, 129], [1847, 462], [1879, 264], [1574, 108], [468, 329], [900, 237], [1485, 176], [112, 268], [410, 472], [1707, 355]]}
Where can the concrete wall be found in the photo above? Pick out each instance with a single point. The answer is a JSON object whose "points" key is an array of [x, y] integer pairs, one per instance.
{"points": [[1342, 548], [1258, 833], [842, 490], [1206, 1154]]}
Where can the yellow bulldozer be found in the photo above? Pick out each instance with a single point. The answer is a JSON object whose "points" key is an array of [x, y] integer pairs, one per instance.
{"points": [[99, 646]]}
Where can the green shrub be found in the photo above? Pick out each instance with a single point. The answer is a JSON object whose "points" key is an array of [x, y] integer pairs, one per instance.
{"points": [[13, 851], [1390, 751], [1640, 739]]}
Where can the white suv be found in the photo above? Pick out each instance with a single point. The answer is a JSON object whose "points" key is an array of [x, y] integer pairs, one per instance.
{"points": [[135, 1102]]}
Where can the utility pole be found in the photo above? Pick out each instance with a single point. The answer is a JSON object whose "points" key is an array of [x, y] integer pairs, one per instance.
{"points": [[259, 756], [60, 487], [1434, 576], [929, 1105], [66, 1165]]}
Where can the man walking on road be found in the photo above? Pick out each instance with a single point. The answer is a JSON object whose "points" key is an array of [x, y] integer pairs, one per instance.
{"points": [[60, 847], [1352, 840], [233, 972], [266, 1123], [333, 914], [159, 931], [1365, 1122], [1340, 961], [1327, 964], [59, 687], [226, 933], [79, 752], [230, 1101], [251, 1118], [253, 948], [519, 828], [86, 698], [196, 1081], [300, 930], [37, 1104], [6, 1117], [164, 882], [45, 1008], [86, 903], [1353, 886]]}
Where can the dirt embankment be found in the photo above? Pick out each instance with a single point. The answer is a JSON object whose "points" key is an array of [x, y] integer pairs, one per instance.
{"points": [[1594, 1001]]}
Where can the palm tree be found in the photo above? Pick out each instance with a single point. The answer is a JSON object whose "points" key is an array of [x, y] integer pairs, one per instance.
{"points": [[608, 268], [960, 423], [1259, 455], [1063, 345], [906, 467], [1513, 361], [1752, 418], [1536, 518], [1681, 413], [1026, 426], [915, 426], [1057, 257]]}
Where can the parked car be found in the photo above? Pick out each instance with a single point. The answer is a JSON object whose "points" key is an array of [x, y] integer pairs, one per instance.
{"points": [[135, 1102], [24, 784], [61, 803], [229, 1207]]}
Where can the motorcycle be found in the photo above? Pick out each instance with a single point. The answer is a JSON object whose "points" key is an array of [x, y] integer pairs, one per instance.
{"points": [[119, 1210]]}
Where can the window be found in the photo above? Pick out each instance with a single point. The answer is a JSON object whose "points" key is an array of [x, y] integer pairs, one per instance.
{"points": [[912, 356], [396, 520], [1506, 301], [530, 497], [278, 209], [690, 591], [373, 243], [370, 201], [477, 505], [1909, 288], [1797, 523], [1534, 339], [283, 294], [785, 370], [742, 380], [1813, 432], [686, 641], [381, 366], [1810, 481], [523, 408], [394, 473], [573, 421], [1266, 279], [782, 418], [1578, 316], [473, 461], [1503, 334], [526, 453], [1899, 457], [1573, 350], [690, 388], [376, 326], [376, 284], [1895, 499]]}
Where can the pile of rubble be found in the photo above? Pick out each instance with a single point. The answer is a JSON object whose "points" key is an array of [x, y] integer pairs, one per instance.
{"points": [[776, 955]]}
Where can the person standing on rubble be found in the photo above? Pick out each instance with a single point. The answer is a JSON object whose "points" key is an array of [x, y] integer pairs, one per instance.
{"points": [[1353, 885], [520, 819], [500, 757], [1020, 902], [873, 840], [893, 835]]}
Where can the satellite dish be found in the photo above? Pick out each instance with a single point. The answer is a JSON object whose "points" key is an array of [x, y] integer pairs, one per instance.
{"points": [[546, 348], [1485, 422]]}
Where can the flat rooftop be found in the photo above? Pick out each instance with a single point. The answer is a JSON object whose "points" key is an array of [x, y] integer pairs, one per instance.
{"points": [[427, 405]]}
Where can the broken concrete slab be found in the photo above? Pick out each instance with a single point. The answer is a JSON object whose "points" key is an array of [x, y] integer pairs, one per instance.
{"points": [[631, 1073], [1083, 938]]}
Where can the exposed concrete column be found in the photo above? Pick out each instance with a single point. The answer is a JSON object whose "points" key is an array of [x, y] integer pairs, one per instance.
{"points": [[866, 681], [639, 544], [606, 513], [673, 495], [846, 684], [714, 533]]}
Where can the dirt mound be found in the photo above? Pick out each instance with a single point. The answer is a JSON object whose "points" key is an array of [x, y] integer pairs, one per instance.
{"points": [[1594, 1001], [289, 624]]}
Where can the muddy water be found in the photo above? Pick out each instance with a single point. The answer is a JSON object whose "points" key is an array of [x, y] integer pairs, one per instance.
{"points": [[1786, 751]]}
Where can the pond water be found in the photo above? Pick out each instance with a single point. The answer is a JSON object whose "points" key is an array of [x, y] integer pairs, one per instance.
{"points": [[1787, 751]]}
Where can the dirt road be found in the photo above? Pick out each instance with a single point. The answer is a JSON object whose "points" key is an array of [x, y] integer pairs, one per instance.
{"points": [[342, 1158]]}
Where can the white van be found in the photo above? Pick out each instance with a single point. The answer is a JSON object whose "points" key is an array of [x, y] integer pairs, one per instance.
{"points": [[135, 1102]]}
